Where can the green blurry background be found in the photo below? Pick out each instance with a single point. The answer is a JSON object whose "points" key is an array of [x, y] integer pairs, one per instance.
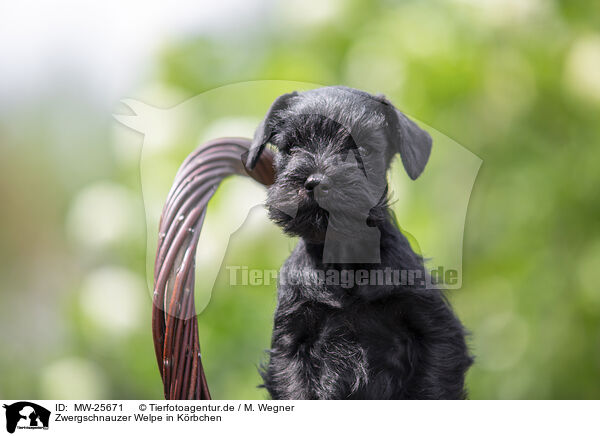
{"points": [[517, 82]]}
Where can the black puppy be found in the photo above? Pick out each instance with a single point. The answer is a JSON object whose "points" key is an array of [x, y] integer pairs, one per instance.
{"points": [[354, 317]]}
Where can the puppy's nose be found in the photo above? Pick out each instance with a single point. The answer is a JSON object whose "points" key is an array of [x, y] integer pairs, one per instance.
{"points": [[315, 180]]}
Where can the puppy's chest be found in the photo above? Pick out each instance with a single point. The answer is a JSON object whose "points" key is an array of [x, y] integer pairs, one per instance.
{"points": [[344, 336], [325, 339]]}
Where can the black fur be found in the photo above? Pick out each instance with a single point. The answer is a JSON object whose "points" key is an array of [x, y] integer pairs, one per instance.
{"points": [[366, 340]]}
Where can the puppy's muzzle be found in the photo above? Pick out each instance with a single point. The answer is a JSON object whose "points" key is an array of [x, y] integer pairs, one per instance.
{"points": [[317, 181]]}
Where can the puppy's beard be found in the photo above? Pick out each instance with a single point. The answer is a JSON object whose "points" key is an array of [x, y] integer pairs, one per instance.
{"points": [[298, 214]]}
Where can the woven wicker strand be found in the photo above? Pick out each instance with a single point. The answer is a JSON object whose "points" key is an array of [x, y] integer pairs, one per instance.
{"points": [[174, 319]]}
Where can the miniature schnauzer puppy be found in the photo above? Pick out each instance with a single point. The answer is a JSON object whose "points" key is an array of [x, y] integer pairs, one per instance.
{"points": [[355, 318]]}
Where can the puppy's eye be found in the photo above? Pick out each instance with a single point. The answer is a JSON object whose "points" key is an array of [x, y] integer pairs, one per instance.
{"points": [[364, 151], [290, 149], [281, 149]]}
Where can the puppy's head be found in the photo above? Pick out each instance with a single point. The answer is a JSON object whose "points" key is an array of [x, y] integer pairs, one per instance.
{"points": [[334, 146]]}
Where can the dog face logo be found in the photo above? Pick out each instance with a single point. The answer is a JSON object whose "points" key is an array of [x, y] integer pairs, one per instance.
{"points": [[347, 169], [26, 415]]}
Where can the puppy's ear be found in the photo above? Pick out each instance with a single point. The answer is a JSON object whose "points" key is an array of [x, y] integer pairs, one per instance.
{"points": [[413, 143], [264, 132]]}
